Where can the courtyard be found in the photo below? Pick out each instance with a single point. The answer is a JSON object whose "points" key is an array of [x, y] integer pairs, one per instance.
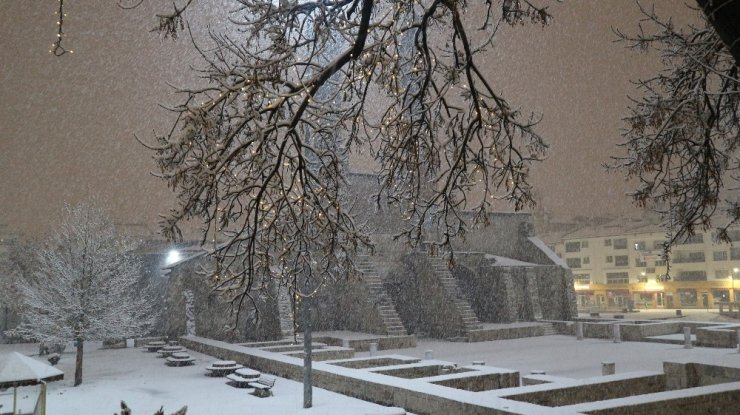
{"points": [[143, 381]]}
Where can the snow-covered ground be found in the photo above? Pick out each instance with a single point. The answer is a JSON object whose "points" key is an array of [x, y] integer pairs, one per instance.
{"points": [[145, 383], [565, 356]]}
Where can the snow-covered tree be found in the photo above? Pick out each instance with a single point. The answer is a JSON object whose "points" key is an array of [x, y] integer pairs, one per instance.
{"points": [[84, 286], [16, 265], [683, 134]]}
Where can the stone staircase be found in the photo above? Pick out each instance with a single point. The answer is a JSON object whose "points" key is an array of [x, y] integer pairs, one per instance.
{"points": [[549, 328], [470, 321], [379, 296]]}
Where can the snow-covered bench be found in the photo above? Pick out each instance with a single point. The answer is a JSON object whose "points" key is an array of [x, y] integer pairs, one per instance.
{"points": [[223, 367], [262, 386], [154, 346], [179, 359], [242, 377], [168, 351]]}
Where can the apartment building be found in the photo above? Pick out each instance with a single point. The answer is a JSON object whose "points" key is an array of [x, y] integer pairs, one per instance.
{"points": [[620, 265]]}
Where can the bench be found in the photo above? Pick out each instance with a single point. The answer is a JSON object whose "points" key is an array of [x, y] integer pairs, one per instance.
{"points": [[262, 386], [179, 359], [222, 368], [239, 381], [168, 351], [154, 346]]}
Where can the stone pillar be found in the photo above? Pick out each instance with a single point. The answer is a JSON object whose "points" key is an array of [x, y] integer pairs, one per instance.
{"points": [[687, 338], [608, 368], [738, 341], [579, 330], [616, 333], [428, 355], [373, 349], [189, 312], [345, 343]]}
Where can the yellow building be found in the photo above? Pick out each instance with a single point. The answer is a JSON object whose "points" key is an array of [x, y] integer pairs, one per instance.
{"points": [[621, 265]]}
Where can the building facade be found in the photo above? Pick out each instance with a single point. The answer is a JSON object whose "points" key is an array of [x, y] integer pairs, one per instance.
{"points": [[621, 265]]}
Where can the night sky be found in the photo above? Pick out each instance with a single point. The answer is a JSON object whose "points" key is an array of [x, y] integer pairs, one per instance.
{"points": [[67, 124]]}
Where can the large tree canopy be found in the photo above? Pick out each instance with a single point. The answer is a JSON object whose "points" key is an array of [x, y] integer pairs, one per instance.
{"points": [[295, 87]]}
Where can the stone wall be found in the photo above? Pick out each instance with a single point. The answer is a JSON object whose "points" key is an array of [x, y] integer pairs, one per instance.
{"points": [[681, 375], [504, 294], [346, 305], [214, 316], [421, 302], [429, 400], [726, 336], [588, 390], [714, 400]]}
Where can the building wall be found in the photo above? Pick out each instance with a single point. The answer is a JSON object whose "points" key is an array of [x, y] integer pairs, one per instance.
{"points": [[612, 270], [504, 294]]}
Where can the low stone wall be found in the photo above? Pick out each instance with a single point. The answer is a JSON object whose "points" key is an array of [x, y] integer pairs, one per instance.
{"points": [[363, 345], [332, 353], [717, 336], [528, 380], [367, 363], [716, 400], [429, 399], [421, 370], [484, 335], [680, 375], [482, 382], [637, 332], [587, 390], [599, 330], [618, 394]]}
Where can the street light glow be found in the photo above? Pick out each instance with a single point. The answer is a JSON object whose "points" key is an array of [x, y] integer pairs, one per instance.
{"points": [[172, 257]]}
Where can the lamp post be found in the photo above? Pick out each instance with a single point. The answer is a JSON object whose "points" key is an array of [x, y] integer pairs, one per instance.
{"points": [[732, 279]]}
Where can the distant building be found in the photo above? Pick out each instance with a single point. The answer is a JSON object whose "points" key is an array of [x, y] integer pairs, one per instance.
{"points": [[620, 264]]}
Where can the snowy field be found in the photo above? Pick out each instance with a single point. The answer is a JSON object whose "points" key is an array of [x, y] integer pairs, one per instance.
{"points": [[145, 383]]}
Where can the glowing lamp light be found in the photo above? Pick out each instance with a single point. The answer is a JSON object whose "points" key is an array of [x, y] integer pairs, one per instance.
{"points": [[172, 257], [653, 286]]}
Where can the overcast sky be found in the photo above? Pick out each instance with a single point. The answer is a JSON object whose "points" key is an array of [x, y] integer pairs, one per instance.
{"points": [[67, 124]]}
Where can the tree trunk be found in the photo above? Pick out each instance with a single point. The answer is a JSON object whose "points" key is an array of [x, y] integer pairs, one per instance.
{"points": [[724, 15], [307, 335], [78, 362]]}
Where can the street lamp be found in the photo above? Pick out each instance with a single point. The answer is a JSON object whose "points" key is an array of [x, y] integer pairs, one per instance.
{"points": [[732, 279]]}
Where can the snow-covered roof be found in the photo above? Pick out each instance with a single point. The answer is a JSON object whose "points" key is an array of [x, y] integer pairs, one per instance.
{"points": [[502, 261], [547, 251], [18, 370]]}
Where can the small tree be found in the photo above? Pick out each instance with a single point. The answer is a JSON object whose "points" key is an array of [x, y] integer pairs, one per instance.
{"points": [[84, 287]]}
